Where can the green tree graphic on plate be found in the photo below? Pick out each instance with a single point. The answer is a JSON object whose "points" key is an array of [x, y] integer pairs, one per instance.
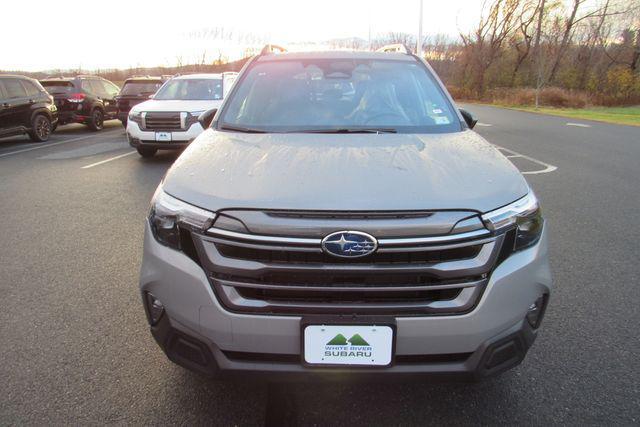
{"points": [[357, 340], [338, 340], [354, 340]]}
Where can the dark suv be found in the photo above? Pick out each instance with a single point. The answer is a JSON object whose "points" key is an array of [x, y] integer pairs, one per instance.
{"points": [[84, 99], [25, 107], [134, 91]]}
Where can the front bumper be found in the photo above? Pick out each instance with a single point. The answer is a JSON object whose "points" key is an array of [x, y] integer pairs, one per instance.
{"points": [[198, 333], [179, 139]]}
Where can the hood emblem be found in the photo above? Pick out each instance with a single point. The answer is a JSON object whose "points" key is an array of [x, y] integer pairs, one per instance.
{"points": [[349, 244]]}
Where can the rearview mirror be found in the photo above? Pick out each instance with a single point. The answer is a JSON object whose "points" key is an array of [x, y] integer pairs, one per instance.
{"points": [[468, 118], [206, 118]]}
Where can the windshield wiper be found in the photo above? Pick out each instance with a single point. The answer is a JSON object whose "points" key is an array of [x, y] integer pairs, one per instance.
{"points": [[241, 129], [349, 130]]}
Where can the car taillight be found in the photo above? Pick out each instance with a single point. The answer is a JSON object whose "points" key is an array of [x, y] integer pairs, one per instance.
{"points": [[76, 97]]}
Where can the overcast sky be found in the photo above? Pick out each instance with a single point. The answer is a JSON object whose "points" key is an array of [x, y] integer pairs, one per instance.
{"points": [[133, 33]]}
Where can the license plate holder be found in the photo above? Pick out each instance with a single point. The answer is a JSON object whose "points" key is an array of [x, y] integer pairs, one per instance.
{"points": [[352, 342], [163, 136]]}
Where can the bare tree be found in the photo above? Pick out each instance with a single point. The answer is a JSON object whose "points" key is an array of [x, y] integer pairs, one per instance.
{"points": [[484, 45], [523, 38]]}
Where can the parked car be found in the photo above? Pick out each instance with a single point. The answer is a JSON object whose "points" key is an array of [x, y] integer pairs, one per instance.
{"points": [[169, 121], [134, 91], [26, 108], [89, 100], [339, 216]]}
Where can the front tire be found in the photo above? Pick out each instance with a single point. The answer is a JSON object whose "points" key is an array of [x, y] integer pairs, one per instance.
{"points": [[147, 152], [96, 121], [40, 128]]}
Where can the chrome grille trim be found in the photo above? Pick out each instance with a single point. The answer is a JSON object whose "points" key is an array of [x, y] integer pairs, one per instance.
{"points": [[463, 302], [476, 266], [162, 121], [316, 242], [265, 239]]}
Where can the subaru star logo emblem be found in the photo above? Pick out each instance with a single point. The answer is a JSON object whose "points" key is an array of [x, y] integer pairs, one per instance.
{"points": [[349, 244]]}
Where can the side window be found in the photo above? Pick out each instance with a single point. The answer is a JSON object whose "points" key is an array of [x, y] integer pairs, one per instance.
{"points": [[32, 90], [3, 94], [14, 89], [87, 86], [99, 88], [111, 89]]}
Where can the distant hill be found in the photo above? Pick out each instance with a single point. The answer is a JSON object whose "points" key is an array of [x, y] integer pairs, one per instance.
{"points": [[119, 75]]}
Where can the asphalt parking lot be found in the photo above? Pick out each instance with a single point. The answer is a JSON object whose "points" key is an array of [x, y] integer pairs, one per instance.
{"points": [[76, 348]]}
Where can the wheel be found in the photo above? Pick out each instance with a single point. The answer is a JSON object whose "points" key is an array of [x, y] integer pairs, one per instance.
{"points": [[124, 123], [146, 152], [40, 128], [96, 121]]}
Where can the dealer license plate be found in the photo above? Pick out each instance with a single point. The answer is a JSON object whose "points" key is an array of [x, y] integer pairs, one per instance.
{"points": [[163, 136], [360, 345]]}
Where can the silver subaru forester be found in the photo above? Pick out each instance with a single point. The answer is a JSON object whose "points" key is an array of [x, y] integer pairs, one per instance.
{"points": [[339, 217]]}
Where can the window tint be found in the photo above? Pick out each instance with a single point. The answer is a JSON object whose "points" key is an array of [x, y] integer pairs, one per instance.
{"points": [[31, 88], [14, 88], [140, 88], [87, 87], [58, 86], [99, 88], [93, 87], [110, 88]]}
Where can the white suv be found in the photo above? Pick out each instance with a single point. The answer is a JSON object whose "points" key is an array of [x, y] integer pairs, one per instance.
{"points": [[170, 119]]}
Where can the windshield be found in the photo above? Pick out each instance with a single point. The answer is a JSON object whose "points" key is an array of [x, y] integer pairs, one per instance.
{"points": [[191, 89], [57, 86], [140, 88], [339, 95]]}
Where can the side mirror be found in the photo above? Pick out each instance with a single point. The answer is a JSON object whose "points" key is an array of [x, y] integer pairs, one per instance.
{"points": [[206, 118], [468, 117], [152, 96]]}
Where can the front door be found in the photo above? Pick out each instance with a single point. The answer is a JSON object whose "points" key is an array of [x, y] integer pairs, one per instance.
{"points": [[14, 107]]}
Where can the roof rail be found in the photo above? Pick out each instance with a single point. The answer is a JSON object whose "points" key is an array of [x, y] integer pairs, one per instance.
{"points": [[269, 49], [396, 47]]}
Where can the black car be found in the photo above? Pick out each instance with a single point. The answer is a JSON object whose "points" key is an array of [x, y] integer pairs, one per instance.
{"points": [[83, 99], [134, 91], [26, 107]]}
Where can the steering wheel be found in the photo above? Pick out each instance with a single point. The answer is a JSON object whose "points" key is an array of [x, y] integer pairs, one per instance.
{"points": [[385, 114]]}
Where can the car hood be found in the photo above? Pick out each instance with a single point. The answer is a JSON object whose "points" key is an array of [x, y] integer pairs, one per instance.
{"points": [[158, 105], [364, 172]]}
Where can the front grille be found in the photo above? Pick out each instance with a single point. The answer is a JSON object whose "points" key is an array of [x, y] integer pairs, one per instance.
{"points": [[359, 296], [162, 121], [423, 275], [298, 257]]}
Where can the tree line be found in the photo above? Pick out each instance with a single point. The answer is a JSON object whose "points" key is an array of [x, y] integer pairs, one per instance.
{"points": [[560, 52], [555, 52]]}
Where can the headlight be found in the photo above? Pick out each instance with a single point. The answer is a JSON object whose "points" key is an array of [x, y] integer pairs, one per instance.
{"points": [[523, 214], [136, 117], [168, 215]]}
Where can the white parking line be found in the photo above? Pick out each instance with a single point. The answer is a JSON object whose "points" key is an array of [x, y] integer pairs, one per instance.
{"points": [[486, 125], [580, 125], [107, 160], [512, 154], [11, 153]]}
